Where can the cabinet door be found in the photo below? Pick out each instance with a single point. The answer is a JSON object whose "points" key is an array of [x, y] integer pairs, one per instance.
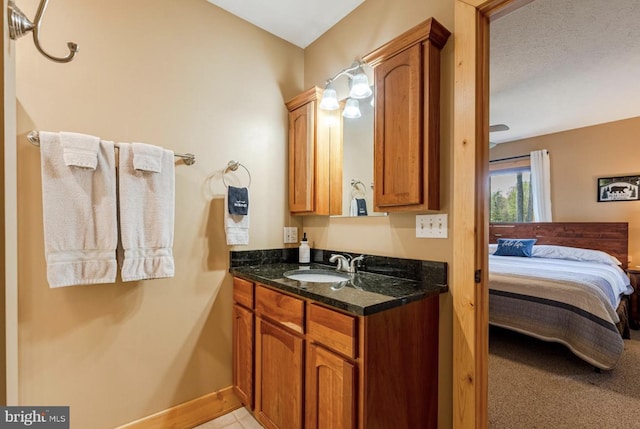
{"points": [[301, 158], [331, 391], [398, 145], [243, 354], [279, 371]]}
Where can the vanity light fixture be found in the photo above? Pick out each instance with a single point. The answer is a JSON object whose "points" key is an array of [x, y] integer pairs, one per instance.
{"points": [[359, 86], [351, 109], [329, 98]]}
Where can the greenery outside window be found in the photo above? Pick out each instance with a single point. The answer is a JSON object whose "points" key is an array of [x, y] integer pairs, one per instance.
{"points": [[511, 199]]}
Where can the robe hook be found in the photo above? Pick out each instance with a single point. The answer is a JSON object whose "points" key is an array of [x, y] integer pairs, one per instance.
{"points": [[19, 25]]}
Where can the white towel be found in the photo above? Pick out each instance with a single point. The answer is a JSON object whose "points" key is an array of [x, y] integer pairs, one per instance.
{"points": [[147, 209], [79, 216], [80, 150], [353, 208], [147, 157], [236, 227]]}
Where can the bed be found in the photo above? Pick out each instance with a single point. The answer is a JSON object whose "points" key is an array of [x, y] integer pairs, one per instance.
{"points": [[560, 293]]}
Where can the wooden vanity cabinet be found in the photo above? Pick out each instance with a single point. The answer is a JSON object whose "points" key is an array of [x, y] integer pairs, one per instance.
{"points": [[279, 359], [331, 400], [332, 388], [320, 368], [315, 145], [279, 372], [243, 340], [407, 119], [399, 367]]}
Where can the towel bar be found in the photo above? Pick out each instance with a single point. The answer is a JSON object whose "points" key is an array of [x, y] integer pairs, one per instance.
{"points": [[355, 188], [189, 158], [233, 166]]}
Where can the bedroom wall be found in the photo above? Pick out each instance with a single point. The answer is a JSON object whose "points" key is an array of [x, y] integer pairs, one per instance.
{"points": [[192, 78], [578, 158]]}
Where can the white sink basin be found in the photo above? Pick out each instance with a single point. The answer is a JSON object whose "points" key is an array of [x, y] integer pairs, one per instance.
{"points": [[316, 276]]}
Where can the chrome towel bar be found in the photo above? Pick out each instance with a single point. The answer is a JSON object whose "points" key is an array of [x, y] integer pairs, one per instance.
{"points": [[189, 158], [233, 166]]}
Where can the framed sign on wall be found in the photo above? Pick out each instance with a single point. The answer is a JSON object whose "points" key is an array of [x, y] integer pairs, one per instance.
{"points": [[623, 188]]}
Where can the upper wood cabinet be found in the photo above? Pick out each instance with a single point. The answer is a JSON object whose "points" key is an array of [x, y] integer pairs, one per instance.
{"points": [[407, 119], [315, 142]]}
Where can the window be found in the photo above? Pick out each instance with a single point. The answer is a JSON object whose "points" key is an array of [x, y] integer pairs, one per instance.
{"points": [[511, 199]]}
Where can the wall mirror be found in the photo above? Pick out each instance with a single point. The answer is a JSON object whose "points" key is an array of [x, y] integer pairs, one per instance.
{"points": [[357, 150], [357, 162]]}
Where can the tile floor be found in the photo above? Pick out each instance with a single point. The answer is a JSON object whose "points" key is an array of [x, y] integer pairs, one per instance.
{"points": [[238, 419]]}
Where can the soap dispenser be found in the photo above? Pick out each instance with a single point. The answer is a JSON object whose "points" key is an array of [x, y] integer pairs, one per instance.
{"points": [[304, 254]]}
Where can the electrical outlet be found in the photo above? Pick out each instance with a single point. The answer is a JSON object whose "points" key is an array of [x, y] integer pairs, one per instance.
{"points": [[431, 226], [290, 234]]}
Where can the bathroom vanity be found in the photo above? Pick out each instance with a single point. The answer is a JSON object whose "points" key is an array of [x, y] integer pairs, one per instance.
{"points": [[361, 353]]}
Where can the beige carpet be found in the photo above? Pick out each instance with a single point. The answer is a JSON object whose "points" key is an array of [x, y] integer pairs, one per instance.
{"points": [[535, 384]]}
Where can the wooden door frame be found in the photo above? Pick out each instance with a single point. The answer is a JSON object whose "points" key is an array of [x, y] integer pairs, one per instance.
{"points": [[9, 359], [469, 278]]}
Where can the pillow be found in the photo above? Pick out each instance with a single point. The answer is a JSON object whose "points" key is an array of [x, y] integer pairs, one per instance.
{"points": [[514, 246], [573, 254], [492, 248]]}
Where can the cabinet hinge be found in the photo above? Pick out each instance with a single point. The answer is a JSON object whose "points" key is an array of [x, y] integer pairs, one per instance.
{"points": [[477, 276]]}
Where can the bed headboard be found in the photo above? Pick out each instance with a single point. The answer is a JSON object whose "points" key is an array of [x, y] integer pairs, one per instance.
{"points": [[610, 237]]}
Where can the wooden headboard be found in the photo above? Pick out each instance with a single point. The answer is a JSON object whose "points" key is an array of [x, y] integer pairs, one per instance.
{"points": [[610, 237]]}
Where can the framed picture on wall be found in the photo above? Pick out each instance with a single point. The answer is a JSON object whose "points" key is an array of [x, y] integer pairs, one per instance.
{"points": [[618, 188]]}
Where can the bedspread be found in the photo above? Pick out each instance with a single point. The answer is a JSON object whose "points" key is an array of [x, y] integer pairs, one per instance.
{"points": [[573, 303]]}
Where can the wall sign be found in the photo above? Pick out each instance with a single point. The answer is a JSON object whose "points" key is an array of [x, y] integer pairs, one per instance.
{"points": [[618, 188]]}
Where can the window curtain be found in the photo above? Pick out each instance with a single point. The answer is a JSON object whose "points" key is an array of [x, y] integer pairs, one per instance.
{"points": [[541, 185]]}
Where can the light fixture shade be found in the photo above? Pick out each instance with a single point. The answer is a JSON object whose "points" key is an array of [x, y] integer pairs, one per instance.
{"points": [[329, 99], [360, 86], [352, 109]]}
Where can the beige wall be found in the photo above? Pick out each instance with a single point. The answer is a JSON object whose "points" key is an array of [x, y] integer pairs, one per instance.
{"points": [[578, 158], [369, 26], [169, 73], [192, 78]]}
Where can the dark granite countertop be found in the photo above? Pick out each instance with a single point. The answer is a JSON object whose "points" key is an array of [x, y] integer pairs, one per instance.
{"points": [[364, 293]]}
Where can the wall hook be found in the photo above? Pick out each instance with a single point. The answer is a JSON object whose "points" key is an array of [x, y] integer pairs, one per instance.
{"points": [[19, 25]]}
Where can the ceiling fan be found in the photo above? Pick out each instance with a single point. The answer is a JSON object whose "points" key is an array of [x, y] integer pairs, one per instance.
{"points": [[498, 127], [495, 128]]}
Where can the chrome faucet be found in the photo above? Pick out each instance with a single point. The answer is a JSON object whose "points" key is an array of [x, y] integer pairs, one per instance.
{"points": [[346, 263], [343, 262], [353, 266]]}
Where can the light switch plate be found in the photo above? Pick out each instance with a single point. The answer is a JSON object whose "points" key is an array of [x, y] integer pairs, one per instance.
{"points": [[290, 234], [431, 226]]}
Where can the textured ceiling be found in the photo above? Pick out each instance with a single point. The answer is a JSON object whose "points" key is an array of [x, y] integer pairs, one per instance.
{"points": [[297, 21], [563, 64], [556, 65]]}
